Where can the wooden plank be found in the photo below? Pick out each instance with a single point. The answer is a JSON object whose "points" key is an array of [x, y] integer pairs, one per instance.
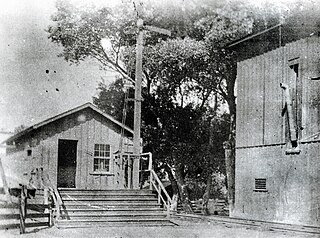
{"points": [[260, 100], [300, 45], [87, 152], [239, 104], [305, 86], [285, 70], [273, 97], [38, 215], [105, 140], [9, 216], [246, 102], [243, 114], [9, 226], [9, 205], [90, 151], [53, 163], [37, 224], [254, 103], [78, 137], [37, 207], [81, 156], [251, 87]]}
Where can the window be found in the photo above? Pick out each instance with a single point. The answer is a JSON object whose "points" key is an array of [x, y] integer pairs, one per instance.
{"points": [[101, 158], [260, 185], [29, 152]]}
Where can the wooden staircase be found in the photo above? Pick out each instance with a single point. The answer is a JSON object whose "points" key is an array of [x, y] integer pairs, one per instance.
{"points": [[87, 208]]}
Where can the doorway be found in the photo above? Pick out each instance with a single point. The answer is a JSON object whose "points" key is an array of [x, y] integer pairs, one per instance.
{"points": [[67, 163]]}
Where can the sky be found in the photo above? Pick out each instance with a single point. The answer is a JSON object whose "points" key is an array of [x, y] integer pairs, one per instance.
{"points": [[34, 83]]}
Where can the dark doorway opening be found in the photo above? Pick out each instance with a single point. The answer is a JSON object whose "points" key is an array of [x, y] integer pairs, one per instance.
{"points": [[67, 163]]}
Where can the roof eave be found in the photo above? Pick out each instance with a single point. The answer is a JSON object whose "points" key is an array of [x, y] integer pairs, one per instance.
{"points": [[64, 114]]}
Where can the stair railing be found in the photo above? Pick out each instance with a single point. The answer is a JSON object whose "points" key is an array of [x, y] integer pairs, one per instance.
{"points": [[42, 180], [23, 209], [157, 185]]}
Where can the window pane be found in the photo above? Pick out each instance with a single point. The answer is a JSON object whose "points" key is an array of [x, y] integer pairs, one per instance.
{"points": [[96, 164]]}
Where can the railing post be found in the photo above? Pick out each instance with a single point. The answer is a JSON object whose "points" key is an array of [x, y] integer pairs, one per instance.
{"points": [[168, 209], [151, 179], [46, 199], [159, 194], [150, 161], [50, 218], [23, 210]]}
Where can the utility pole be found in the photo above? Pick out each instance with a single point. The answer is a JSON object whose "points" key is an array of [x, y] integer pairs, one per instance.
{"points": [[137, 107], [138, 98], [137, 94]]}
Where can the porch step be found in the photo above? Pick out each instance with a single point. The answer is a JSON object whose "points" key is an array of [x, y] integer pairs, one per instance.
{"points": [[109, 199], [86, 208], [74, 191], [78, 205], [118, 210], [63, 224]]}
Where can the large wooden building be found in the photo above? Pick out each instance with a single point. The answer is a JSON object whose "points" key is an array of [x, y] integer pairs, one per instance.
{"points": [[277, 175], [78, 149]]}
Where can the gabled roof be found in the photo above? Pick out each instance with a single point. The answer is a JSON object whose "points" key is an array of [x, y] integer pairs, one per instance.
{"points": [[67, 113]]}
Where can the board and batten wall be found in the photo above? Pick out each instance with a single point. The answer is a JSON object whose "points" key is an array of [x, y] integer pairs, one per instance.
{"points": [[293, 181], [87, 127]]}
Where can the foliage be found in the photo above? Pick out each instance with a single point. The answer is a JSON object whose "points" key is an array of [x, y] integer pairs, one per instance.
{"points": [[111, 99], [19, 129]]}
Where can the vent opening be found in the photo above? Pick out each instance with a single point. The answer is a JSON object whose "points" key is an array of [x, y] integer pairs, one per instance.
{"points": [[260, 185]]}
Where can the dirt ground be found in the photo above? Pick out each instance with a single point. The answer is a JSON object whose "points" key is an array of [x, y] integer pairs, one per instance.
{"points": [[186, 229]]}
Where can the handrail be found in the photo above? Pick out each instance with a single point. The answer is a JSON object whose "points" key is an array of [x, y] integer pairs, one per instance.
{"points": [[154, 178], [155, 182], [161, 185]]}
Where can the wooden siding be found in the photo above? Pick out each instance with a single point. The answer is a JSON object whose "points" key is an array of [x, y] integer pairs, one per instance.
{"points": [[88, 128], [293, 181], [260, 99], [292, 184]]}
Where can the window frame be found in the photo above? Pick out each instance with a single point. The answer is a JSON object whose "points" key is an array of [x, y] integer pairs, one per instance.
{"points": [[102, 153]]}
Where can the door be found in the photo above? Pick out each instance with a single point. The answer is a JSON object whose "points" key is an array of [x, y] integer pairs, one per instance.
{"points": [[67, 163]]}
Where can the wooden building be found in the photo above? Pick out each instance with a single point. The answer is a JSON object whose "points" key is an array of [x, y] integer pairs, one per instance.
{"points": [[78, 149], [277, 170]]}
